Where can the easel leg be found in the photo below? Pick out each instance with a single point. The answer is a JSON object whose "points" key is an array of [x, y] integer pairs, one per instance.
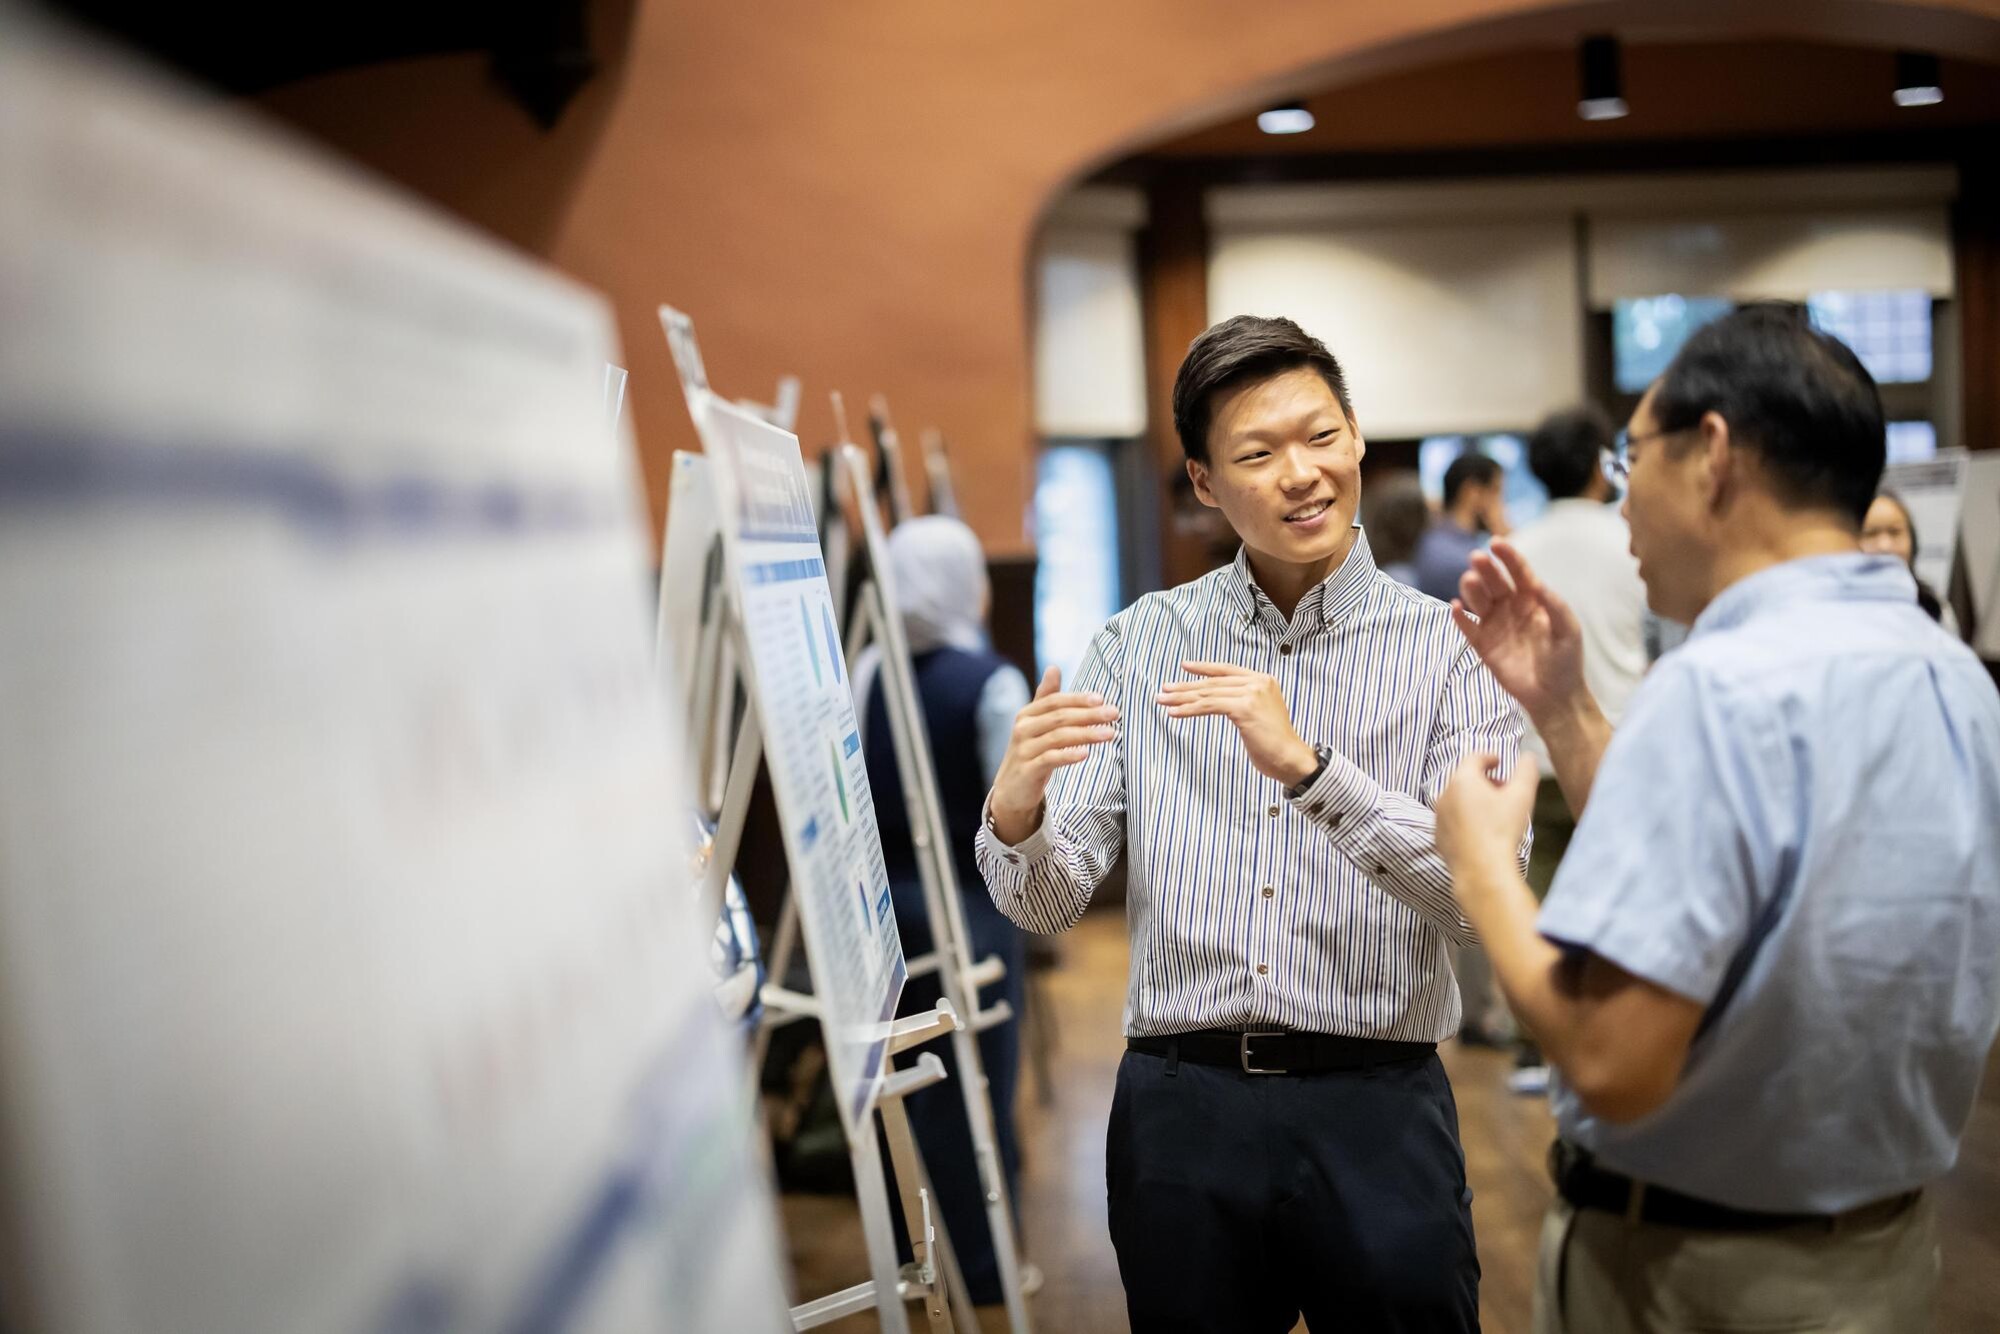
{"points": [[976, 1093], [873, 1197], [778, 962], [934, 1253]]}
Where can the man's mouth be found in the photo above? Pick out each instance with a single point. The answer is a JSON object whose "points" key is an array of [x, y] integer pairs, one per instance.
{"points": [[1307, 513]]}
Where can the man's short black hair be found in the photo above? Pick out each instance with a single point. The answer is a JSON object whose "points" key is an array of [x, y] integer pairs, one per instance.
{"points": [[1567, 449], [1796, 395], [1238, 351], [1471, 468]]}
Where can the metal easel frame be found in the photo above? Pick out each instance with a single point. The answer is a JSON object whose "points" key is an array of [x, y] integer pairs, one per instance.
{"points": [[951, 953], [718, 708]]}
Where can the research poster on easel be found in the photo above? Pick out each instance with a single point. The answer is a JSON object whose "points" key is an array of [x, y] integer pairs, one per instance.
{"points": [[351, 974], [812, 741]]}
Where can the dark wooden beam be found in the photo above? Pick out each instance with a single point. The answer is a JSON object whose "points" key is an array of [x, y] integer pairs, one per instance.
{"points": [[1173, 284], [1976, 252], [1971, 144]]}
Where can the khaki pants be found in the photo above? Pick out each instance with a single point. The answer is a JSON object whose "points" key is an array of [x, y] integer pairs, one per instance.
{"points": [[1599, 1274]]}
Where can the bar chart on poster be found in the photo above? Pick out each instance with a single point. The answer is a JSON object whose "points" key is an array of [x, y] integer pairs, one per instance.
{"points": [[351, 975], [812, 741]]}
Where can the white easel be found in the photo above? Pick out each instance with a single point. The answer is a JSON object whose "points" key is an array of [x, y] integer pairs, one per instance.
{"points": [[937, 471], [711, 654], [889, 453], [951, 951]]}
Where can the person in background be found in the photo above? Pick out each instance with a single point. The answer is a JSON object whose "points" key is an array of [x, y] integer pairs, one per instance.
{"points": [[969, 696], [1890, 531], [1473, 512], [1768, 974], [1583, 549], [1396, 514], [1261, 744]]}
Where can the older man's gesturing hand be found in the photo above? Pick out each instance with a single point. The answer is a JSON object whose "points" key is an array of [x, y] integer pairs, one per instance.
{"points": [[1526, 635], [1481, 818], [1255, 704]]}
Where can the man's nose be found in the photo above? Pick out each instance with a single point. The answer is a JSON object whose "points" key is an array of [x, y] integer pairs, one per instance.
{"points": [[1296, 471]]}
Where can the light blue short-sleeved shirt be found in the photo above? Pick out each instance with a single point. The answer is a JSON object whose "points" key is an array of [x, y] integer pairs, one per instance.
{"points": [[1797, 824]]}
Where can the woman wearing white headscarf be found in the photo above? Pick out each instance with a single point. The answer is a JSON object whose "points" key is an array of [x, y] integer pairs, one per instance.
{"points": [[942, 592], [969, 696]]}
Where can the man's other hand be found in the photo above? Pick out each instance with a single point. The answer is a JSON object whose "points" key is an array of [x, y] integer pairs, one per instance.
{"points": [[1481, 819], [1255, 704]]}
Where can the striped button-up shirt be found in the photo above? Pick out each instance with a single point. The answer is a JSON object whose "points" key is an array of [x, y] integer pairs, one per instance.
{"points": [[1330, 913]]}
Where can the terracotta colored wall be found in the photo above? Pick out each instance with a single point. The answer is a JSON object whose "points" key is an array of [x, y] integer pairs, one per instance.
{"points": [[847, 188]]}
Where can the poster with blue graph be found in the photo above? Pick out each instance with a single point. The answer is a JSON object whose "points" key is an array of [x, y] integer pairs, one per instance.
{"points": [[812, 742]]}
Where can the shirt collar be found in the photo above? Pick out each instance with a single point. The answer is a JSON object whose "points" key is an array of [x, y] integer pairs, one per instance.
{"points": [[1326, 603], [1576, 505], [1844, 577]]}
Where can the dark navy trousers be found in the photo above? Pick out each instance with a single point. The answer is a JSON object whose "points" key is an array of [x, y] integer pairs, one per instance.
{"points": [[1239, 1202]]}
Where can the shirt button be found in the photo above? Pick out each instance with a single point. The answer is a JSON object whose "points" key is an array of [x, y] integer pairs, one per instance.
{"points": [[1272, 812], [1268, 891], [1334, 820], [1381, 870], [1263, 969], [1014, 858], [1285, 650]]}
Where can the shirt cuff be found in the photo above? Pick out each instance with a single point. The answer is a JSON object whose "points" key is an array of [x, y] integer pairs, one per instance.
{"points": [[1339, 797], [1025, 853]]}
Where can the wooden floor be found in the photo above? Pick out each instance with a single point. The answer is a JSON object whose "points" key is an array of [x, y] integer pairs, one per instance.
{"points": [[1506, 1137]]}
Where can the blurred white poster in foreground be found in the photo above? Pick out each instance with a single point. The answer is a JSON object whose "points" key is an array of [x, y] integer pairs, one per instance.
{"points": [[349, 970]]}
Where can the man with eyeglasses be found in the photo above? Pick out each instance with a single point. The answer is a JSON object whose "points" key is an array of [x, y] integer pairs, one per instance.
{"points": [[1768, 973], [1581, 546]]}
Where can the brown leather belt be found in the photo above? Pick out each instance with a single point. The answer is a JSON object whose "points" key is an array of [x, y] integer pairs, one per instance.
{"points": [[1587, 1186]]}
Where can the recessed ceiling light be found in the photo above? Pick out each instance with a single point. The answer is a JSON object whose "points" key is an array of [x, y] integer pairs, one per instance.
{"points": [[1292, 118]]}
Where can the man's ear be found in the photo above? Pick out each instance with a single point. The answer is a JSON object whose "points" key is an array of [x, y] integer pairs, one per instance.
{"points": [[1720, 468], [1360, 441], [1198, 474]]}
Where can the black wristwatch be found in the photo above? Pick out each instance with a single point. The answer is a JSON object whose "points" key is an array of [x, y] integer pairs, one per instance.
{"points": [[1298, 789]]}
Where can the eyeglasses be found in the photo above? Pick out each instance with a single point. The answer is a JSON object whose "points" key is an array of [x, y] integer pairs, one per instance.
{"points": [[1617, 460]]}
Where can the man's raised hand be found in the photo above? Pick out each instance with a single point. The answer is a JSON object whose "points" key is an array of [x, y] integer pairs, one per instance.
{"points": [[1526, 635], [1053, 731]]}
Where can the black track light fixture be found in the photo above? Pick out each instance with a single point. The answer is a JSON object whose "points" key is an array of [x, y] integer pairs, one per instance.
{"points": [[1917, 83], [1602, 94]]}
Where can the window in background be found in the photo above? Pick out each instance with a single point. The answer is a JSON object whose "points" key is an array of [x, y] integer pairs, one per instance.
{"points": [[1077, 577], [1526, 497], [1646, 332], [1912, 442], [1889, 331]]}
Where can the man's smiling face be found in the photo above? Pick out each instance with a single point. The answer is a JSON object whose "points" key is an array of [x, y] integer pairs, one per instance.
{"points": [[1284, 467]]}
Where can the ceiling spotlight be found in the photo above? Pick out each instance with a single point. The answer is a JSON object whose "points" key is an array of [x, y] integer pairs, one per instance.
{"points": [[1603, 90], [1291, 118], [1917, 82]]}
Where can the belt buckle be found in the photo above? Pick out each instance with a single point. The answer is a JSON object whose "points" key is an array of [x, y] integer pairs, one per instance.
{"points": [[1243, 1053]]}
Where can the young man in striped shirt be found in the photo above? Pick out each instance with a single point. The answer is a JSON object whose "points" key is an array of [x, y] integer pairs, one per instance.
{"points": [[1264, 745]]}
